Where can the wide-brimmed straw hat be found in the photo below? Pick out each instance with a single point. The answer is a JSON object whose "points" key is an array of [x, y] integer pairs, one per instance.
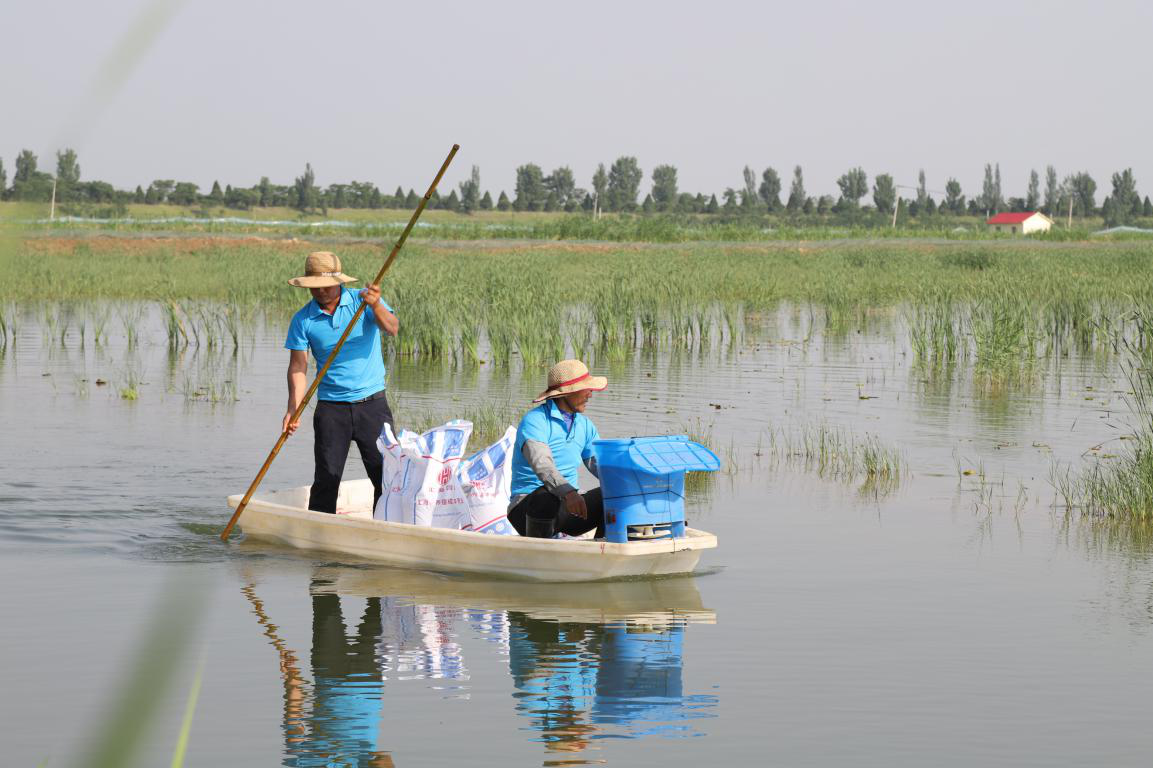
{"points": [[570, 376], [321, 269]]}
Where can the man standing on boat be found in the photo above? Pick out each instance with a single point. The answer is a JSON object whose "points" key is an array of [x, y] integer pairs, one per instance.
{"points": [[351, 404], [552, 441]]}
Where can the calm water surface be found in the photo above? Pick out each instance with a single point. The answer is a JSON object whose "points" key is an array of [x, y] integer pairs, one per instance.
{"points": [[956, 621]]}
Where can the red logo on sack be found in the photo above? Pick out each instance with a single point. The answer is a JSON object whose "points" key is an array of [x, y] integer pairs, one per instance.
{"points": [[444, 475]]}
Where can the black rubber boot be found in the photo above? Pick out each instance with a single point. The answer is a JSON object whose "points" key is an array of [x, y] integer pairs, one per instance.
{"points": [[540, 527]]}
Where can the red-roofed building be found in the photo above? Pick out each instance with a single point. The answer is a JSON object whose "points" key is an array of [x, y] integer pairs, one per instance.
{"points": [[1020, 223]]}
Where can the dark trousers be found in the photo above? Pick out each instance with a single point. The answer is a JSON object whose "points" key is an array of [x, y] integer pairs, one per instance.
{"points": [[336, 425], [541, 504]]}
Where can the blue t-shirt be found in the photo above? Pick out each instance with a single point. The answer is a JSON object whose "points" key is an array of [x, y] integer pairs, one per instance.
{"points": [[358, 371], [570, 444]]}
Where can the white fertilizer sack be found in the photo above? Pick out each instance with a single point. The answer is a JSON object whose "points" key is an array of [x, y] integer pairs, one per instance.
{"points": [[486, 478], [419, 481]]}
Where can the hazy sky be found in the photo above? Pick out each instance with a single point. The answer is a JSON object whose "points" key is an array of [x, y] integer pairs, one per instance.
{"points": [[378, 91]]}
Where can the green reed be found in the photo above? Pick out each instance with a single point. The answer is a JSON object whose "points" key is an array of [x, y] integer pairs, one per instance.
{"points": [[99, 313], [935, 332], [1120, 488], [131, 317], [836, 453], [1004, 338], [209, 389], [130, 387], [130, 711], [174, 325], [830, 452], [1000, 304], [207, 323], [702, 483]]}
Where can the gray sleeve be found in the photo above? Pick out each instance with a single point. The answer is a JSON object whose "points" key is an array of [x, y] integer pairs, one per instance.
{"points": [[539, 457]]}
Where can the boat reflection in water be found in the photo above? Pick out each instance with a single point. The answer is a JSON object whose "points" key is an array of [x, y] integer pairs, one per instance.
{"points": [[589, 662]]}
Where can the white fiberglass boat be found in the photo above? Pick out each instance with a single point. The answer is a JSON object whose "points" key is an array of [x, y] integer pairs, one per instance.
{"points": [[283, 516]]}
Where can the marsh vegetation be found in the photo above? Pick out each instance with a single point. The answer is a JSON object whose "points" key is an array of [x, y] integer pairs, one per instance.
{"points": [[1001, 316]]}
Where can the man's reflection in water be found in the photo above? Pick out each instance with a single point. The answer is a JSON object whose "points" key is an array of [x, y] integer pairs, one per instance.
{"points": [[576, 680], [337, 722], [347, 690]]}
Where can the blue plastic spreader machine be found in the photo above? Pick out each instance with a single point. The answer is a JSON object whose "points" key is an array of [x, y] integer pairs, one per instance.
{"points": [[643, 483]]}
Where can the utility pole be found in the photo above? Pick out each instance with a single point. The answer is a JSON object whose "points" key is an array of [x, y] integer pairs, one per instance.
{"points": [[897, 204], [1069, 221], [52, 207]]}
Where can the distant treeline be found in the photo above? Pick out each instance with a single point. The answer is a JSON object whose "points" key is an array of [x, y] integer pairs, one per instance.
{"points": [[616, 189]]}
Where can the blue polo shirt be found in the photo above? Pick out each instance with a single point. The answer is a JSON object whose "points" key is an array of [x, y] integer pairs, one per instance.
{"points": [[570, 442], [358, 371]]}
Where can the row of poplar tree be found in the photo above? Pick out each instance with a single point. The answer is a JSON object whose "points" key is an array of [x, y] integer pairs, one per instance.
{"points": [[615, 189]]}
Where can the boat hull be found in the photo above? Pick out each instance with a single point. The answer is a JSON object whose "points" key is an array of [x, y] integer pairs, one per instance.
{"points": [[282, 516]]}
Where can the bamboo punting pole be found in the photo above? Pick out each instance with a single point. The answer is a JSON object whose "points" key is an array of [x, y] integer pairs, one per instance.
{"points": [[336, 350]]}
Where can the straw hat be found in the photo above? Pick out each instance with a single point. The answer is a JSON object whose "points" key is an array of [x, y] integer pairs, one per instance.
{"points": [[321, 269], [570, 376]]}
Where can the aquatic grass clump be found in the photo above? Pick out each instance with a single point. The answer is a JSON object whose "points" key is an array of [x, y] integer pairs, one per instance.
{"points": [[98, 313], [129, 386], [174, 325], [211, 324], [1120, 488], [839, 454], [1070, 323], [935, 332], [131, 317], [702, 483], [209, 389], [1004, 339]]}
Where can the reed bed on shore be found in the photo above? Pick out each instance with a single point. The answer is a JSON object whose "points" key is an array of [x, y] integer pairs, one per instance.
{"points": [[443, 225], [829, 274], [1000, 306]]}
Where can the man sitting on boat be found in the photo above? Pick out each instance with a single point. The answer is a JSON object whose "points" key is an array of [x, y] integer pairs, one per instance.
{"points": [[552, 441], [351, 404]]}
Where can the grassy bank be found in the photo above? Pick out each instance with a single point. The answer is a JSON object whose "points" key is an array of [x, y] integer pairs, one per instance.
{"points": [[759, 275], [442, 224]]}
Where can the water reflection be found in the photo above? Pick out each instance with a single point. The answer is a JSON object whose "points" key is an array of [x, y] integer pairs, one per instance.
{"points": [[347, 692], [580, 682], [334, 720], [1123, 552], [605, 661]]}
